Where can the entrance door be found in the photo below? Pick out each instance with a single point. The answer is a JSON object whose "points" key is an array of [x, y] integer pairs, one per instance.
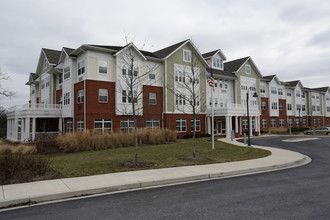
{"points": [[221, 127]]}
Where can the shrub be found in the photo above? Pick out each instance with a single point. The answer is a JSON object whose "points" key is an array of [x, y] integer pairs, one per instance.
{"points": [[22, 168], [17, 149], [46, 144]]}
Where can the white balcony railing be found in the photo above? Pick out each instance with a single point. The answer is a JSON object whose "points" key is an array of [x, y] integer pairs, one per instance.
{"points": [[232, 108], [35, 107]]}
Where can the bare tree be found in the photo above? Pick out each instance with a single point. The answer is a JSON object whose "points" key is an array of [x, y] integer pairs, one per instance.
{"points": [[187, 91], [135, 72], [4, 91]]}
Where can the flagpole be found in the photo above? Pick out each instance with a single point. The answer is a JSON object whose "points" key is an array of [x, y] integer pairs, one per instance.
{"points": [[212, 124]]}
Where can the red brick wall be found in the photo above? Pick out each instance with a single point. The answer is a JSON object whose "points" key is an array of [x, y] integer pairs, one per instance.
{"points": [[152, 111], [58, 94], [170, 123]]}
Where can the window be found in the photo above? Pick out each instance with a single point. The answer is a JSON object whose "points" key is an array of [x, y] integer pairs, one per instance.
{"points": [[302, 94], [215, 83], [103, 124], [152, 98], [290, 122], [103, 67], [289, 107], [45, 63], [181, 125], [273, 90], [216, 102], [288, 92], [247, 69], [60, 100], [328, 98], [264, 123], [66, 98], [210, 101], [245, 124], [318, 108], [66, 72], [281, 122], [47, 81], [127, 125], [297, 122], [152, 75], [81, 67], [217, 62], [281, 106], [60, 79], [103, 95], [262, 89], [226, 84], [69, 126], [328, 109], [136, 71], [274, 105], [304, 122], [152, 123], [43, 84], [124, 70], [123, 96], [297, 93], [197, 124], [280, 91], [263, 105], [180, 99], [253, 123], [80, 96], [313, 107], [132, 97], [179, 76], [80, 125], [319, 122], [298, 107], [273, 122], [314, 122], [303, 108], [186, 55]]}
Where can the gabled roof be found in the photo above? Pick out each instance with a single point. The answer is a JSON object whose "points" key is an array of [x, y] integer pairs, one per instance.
{"points": [[52, 56], [212, 53], [292, 83], [68, 50], [234, 65], [221, 73], [135, 48], [321, 89], [32, 79], [163, 53], [268, 78]]}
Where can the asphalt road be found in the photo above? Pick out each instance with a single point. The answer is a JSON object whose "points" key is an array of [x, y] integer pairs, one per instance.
{"points": [[297, 193]]}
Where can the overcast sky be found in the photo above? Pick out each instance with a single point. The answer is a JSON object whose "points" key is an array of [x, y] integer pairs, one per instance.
{"points": [[289, 38]]}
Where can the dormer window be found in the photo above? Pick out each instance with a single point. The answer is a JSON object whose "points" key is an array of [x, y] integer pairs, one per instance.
{"points": [[247, 69], [45, 63], [187, 55], [217, 62]]}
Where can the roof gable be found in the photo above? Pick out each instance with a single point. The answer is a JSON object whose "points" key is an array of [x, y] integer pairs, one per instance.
{"points": [[235, 65], [213, 53]]}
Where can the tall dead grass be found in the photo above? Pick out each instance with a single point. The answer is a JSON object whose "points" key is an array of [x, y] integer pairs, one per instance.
{"points": [[17, 149], [93, 140]]}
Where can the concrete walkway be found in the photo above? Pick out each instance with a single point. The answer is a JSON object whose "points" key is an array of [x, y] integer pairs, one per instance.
{"points": [[70, 187]]}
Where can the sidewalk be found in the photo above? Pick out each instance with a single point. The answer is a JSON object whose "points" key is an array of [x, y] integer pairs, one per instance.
{"points": [[71, 187]]}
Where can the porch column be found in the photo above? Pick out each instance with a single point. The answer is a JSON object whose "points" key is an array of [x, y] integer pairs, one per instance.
{"points": [[33, 128], [230, 125], [250, 119], [15, 129], [227, 127], [27, 129], [236, 124], [240, 126], [60, 125], [258, 124]]}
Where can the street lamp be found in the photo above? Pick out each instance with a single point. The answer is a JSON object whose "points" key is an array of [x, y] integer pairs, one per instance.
{"points": [[255, 95]]}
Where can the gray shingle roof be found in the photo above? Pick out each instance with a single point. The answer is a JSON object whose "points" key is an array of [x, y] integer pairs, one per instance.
{"points": [[118, 48], [321, 89], [68, 50], [221, 72], [292, 83], [268, 78], [209, 54], [168, 50], [52, 56], [234, 65]]}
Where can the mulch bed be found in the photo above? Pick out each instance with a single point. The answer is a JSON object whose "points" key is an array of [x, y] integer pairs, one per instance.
{"points": [[138, 164], [196, 159]]}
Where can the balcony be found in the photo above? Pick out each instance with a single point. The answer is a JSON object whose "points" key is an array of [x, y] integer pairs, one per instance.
{"points": [[35, 110], [233, 110]]}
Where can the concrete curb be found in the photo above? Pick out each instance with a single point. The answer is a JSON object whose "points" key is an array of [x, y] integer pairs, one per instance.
{"points": [[74, 187]]}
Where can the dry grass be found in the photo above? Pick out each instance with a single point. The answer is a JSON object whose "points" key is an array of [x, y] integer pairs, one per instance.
{"points": [[94, 140], [17, 149]]}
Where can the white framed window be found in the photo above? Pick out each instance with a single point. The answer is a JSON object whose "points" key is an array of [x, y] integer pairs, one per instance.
{"points": [[69, 126], [197, 124], [103, 95], [80, 125], [45, 63], [245, 124], [81, 67], [298, 107], [187, 55], [273, 122], [274, 105], [281, 122], [124, 70], [302, 94], [304, 122], [181, 125], [136, 71], [43, 84], [47, 81], [103, 67], [315, 122], [273, 90], [297, 122], [66, 99], [152, 123], [152, 98], [60, 100], [247, 69], [263, 105], [66, 73], [152, 75], [216, 102], [131, 97], [318, 108], [328, 109], [60, 79], [289, 107], [253, 123], [281, 106], [303, 108], [290, 122], [264, 123], [280, 91], [297, 93], [288, 92], [313, 108], [328, 98], [262, 89], [180, 99], [217, 62], [127, 125], [103, 124], [123, 96], [80, 96]]}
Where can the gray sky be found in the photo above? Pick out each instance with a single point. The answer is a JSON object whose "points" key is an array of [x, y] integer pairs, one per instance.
{"points": [[290, 38]]}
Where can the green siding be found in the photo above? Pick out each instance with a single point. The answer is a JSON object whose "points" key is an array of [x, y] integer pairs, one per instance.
{"points": [[177, 58]]}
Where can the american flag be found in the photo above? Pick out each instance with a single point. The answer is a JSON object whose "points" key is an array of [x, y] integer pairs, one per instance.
{"points": [[210, 81]]}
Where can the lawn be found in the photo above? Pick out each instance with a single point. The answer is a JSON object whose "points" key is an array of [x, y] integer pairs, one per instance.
{"points": [[167, 155]]}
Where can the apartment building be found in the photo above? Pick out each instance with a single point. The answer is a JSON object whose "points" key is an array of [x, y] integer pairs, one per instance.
{"points": [[89, 88]]}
